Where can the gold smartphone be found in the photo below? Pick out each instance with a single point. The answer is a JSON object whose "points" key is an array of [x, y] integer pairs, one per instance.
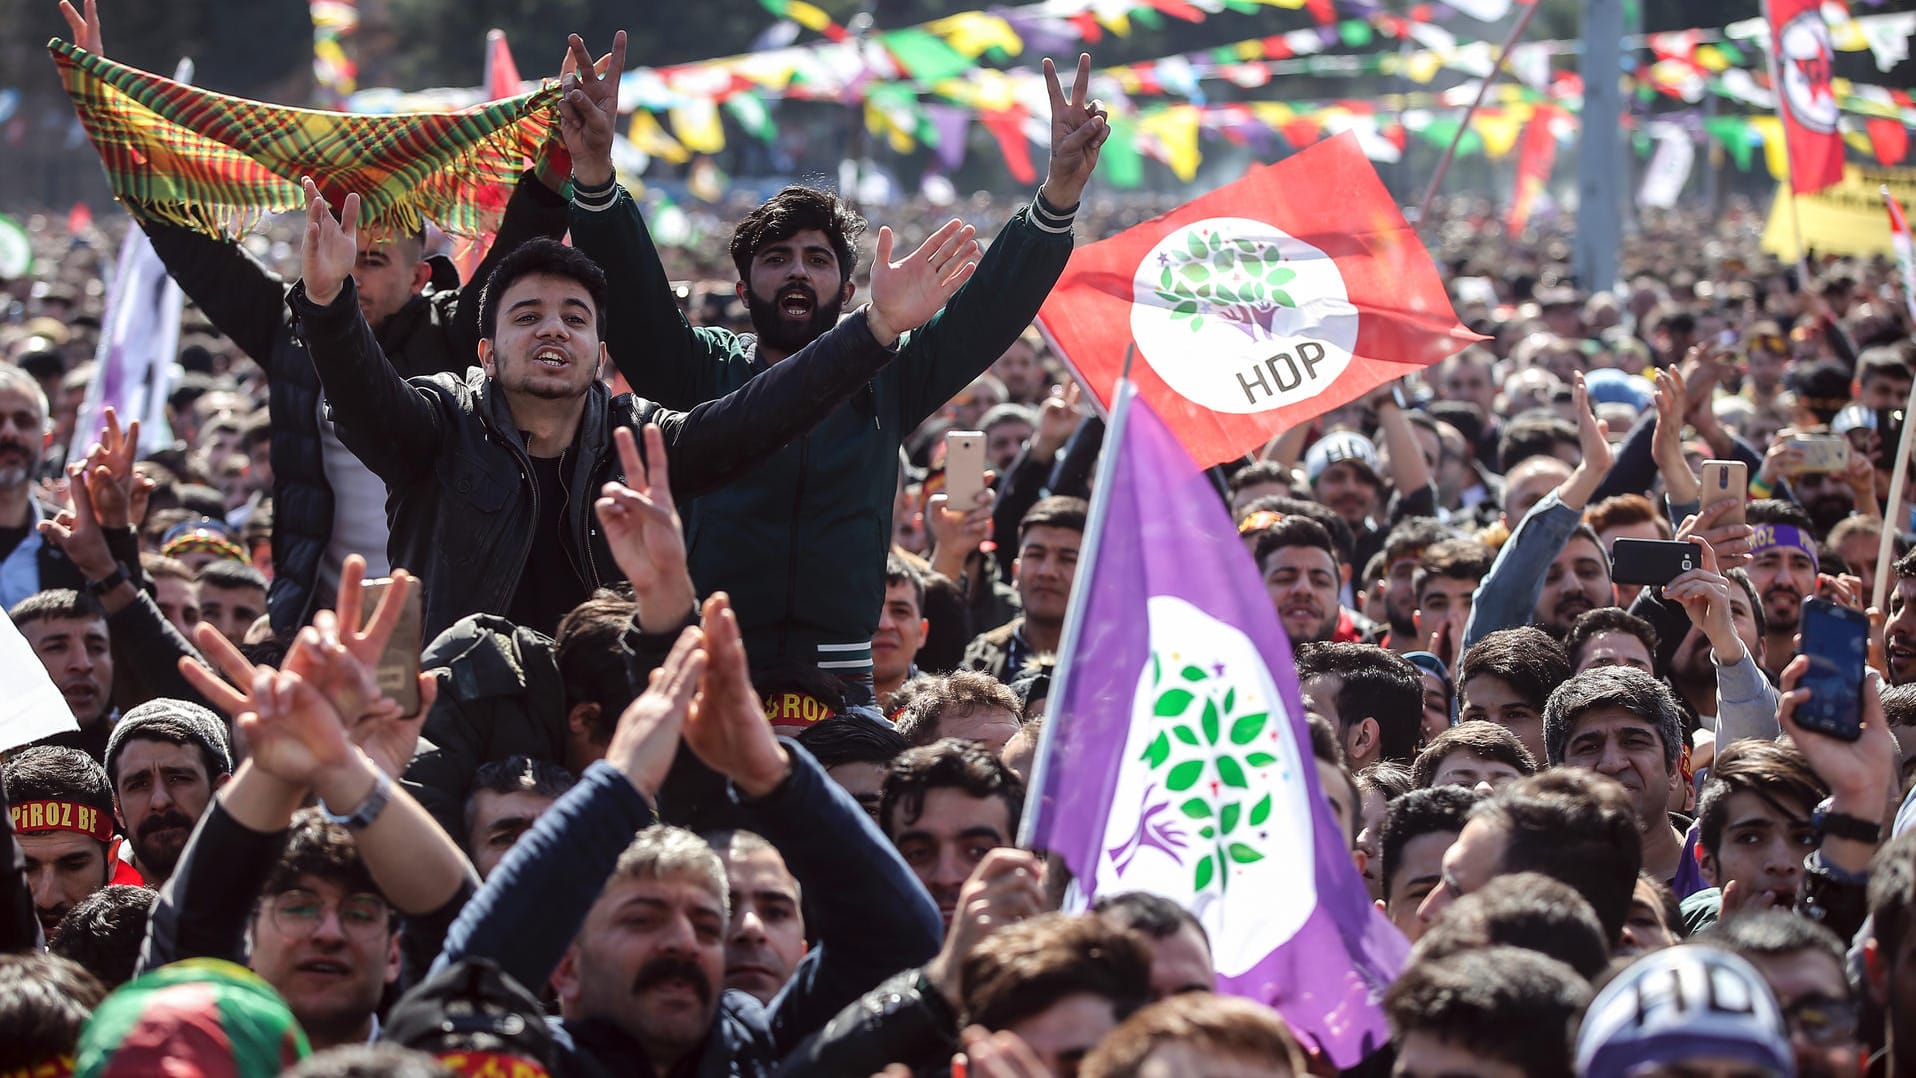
{"points": [[1726, 481], [398, 669]]}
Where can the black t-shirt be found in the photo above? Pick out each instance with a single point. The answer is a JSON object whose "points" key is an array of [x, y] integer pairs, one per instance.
{"points": [[550, 585]]}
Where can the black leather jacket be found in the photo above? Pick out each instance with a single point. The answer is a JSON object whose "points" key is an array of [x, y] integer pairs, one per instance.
{"points": [[460, 493]]}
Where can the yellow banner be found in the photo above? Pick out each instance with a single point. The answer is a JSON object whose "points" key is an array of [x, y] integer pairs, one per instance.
{"points": [[1847, 219]]}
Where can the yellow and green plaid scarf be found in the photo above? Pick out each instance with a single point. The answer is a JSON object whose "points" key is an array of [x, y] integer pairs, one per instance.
{"points": [[186, 156]]}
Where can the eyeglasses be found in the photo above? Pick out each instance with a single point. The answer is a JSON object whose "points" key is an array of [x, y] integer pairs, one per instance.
{"points": [[1822, 1020], [300, 913]]}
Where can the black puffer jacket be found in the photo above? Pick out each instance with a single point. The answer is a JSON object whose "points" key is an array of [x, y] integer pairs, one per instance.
{"points": [[459, 480], [434, 332]]}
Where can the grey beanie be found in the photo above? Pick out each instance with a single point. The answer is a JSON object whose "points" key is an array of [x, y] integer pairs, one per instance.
{"points": [[205, 728]]}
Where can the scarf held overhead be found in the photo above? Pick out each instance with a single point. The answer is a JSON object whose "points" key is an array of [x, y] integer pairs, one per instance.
{"points": [[182, 155]]}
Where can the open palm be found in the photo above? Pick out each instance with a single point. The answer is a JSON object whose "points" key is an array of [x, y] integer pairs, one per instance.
{"points": [[906, 293]]}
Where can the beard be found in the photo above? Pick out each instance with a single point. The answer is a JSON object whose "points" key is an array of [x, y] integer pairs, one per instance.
{"points": [[15, 470], [785, 334], [156, 858]]}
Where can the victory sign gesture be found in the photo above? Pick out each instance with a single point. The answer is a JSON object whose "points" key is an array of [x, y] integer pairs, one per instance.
{"points": [[331, 245], [589, 108], [1078, 130]]}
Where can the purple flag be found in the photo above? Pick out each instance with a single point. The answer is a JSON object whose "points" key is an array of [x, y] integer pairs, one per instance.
{"points": [[1176, 759]]}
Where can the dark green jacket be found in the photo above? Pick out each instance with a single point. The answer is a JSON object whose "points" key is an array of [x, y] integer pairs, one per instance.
{"points": [[799, 539]]}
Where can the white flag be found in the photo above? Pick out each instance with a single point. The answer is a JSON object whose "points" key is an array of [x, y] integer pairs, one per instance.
{"points": [[1669, 169], [138, 344], [32, 708]]}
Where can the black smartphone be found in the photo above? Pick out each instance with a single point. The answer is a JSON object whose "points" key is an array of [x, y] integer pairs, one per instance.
{"points": [[1652, 561], [1836, 639], [1889, 435]]}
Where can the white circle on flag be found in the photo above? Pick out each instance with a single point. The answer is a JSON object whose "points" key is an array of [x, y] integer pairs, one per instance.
{"points": [[1805, 65], [1241, 317]]}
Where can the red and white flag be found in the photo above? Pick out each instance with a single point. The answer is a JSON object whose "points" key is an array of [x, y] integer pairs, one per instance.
{"points": [[1259, 306], [1802, 63], [1905, 248], [502, 81]]}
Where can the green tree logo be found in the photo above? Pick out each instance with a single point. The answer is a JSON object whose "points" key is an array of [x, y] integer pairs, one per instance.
{"points": [[1202, 753], [1237, 282]]}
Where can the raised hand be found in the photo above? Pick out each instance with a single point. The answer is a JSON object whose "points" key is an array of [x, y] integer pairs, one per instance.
{"points": [[1005, 888], [291, 729], [85, 30], [726, 726], [1704, 594], [1594, 444], [589, 108], [955, 533], [1058, 418], [1003, 1054], [647, 737], [1666, 442], [341, 658], [77, 532], [331, 245], [1860, 772], [1729, 544], [119, 493], [906, 293], [642, 528], [1078, 130]]}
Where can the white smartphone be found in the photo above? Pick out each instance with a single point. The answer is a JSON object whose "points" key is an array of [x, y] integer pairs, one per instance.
{"points": [[964, 469]]}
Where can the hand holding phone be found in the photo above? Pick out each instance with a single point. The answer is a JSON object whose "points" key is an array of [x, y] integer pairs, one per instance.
{"points": [[1835, 641], [398, 669], [964, 469], [1726, 481], [1652, 561]]}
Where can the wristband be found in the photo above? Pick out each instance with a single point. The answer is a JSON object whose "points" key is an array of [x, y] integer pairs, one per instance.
{"points": [[1827, 824], [114, 579], [368, 811]]}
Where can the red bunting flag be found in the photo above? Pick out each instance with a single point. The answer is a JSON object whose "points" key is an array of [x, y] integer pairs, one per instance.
{"points": [[1259, 306], [1802, 62], [1536, 155]]}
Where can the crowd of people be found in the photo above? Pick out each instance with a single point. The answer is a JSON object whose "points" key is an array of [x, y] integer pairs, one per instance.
{"points": [[572, 672]]}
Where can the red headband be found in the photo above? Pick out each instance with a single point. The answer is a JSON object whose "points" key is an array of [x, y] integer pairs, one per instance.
{"points": [[62, 816], [57, 1067]]}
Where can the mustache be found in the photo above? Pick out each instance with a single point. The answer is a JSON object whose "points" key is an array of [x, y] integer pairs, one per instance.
{"points": [[671, 968], [164, 821]]}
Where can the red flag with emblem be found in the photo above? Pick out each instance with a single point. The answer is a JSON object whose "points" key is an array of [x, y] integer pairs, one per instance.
{"points": [[1802, 61], [1259, 306]]}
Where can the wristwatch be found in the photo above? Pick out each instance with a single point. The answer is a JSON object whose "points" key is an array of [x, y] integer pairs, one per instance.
{"points": [[1825, 822], [114, 579], [368, 810]]}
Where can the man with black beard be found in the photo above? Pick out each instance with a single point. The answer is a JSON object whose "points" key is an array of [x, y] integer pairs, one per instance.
{"points": [[1783, 568], [800, 540]]}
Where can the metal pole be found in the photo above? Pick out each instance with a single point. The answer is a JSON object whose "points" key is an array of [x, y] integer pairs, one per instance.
{"points": [[1600, 163]]}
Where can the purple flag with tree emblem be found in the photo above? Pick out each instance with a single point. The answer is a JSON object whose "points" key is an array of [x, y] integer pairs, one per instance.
{"points": [[1176, 759]]}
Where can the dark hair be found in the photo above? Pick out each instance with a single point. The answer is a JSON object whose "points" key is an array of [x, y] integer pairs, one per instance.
{"points": [[56, 773], [1892, 889], [1772, 934], [851, 739], [900, 571], [793, 210], [1057, 511], [1505, 1003], [1451, 559], [1022, 969], [324, 850], [1485, 739], [56, 604], [1778, 511], [1295, 531], [1906, 565], [1342, 538], [1624, 687], [516, 774], [370, 1061], [1258, 471], [1607, 619], [1374, 683], [1575, 826], [947, 764], [958, 693], [1533, 435], [104, 932], [1150, 915], [224, 573], [1883, 361], [159, 566], [586, 647], [1526, 658], [45, 999], [1527, 910], [1387, 777], [1412, 536], [1772, 771], [1741, 578], [1667, 902], [1418, 813], [540, 257]]}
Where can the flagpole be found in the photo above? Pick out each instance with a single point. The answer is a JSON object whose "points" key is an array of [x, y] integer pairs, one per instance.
{"points": [[1898, 476], [1463, 125], [1079, 600]]}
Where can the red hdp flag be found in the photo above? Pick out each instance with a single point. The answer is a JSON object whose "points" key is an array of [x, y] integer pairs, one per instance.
{"points": [[1803, 63], [1260, 305], [1536, 155]]}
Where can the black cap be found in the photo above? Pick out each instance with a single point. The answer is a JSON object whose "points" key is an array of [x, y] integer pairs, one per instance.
{"points": [[472, 1006]]}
